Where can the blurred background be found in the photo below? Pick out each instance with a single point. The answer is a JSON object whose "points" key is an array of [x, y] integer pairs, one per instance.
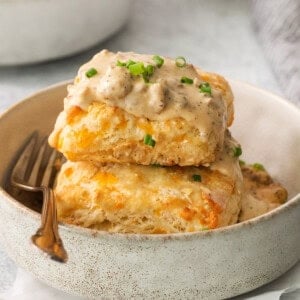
{"points": [[45, 41]]}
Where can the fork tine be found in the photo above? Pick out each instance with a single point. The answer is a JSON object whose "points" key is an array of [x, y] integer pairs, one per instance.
{"points": [[20, 169], [33, 179], [49, 168]]}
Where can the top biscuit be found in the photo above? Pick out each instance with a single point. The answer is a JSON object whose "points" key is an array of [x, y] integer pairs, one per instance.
{"points": [[143, 109]]}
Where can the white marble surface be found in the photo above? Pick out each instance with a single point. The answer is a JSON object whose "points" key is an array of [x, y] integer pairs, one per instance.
{"points": [[216, 35]]}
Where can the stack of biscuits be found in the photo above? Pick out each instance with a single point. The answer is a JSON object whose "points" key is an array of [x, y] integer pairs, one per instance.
{"points": [[133, 172]]}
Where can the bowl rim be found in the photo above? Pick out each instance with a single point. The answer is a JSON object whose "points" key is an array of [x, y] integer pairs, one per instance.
{"points": [[288, 205]]}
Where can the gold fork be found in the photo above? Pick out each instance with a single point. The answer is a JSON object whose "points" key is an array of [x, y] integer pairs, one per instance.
{"points": [[33, 172]]}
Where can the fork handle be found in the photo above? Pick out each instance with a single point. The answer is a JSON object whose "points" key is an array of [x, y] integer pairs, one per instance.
{"points": [[47, 237]]}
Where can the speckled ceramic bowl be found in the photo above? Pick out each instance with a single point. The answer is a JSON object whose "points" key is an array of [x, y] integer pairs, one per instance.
{"points": [[208, 265]]}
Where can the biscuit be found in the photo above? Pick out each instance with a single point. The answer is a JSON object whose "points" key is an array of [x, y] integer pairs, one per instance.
{"points": [[103, 131], [145, 199]]}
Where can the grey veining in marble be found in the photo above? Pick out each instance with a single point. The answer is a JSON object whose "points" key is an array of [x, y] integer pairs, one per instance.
{"points": [[216, 35]]}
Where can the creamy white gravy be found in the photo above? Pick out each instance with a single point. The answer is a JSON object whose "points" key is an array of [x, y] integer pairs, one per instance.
{"points": [[227, 164], [164, 97]]}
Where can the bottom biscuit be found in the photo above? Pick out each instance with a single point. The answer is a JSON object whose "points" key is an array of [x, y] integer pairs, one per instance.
{"points": [[146, 199]]}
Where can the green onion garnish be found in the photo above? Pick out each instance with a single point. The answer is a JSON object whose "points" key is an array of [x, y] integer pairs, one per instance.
{"points": [[242, 162], [125, 64], [205, 88], [121, 64], [91, 72], [258, 167], [159, 61], [180, 61], [186, 80], [148, 140], [149, 70], [197, 177], [146, 78], [136, 68], [237, 151], [129, 63]]}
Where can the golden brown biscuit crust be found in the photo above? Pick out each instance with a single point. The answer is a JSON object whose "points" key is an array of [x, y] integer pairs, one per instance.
{"points": [[109, 134], [145, 199]]}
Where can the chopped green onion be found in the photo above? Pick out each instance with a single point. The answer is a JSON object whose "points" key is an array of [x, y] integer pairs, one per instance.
{"points": [[148, 140], [205, 88], [125, 64], [186, 80], [159, 61], [149, 70], [146, 78], [197, 177], [121, 64], [136, 68], [237, 151], [129, 63], [91, 72], [180, 61], [258, 167], [242, 162]]}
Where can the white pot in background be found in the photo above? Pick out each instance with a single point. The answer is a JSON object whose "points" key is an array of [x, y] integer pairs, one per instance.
{"points": [[38, 30]]}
